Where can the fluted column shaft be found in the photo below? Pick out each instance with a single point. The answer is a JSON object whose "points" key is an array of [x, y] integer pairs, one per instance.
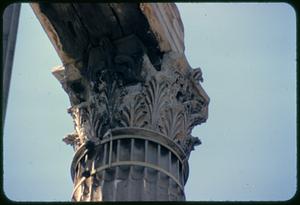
{"points": [[134, 98]]}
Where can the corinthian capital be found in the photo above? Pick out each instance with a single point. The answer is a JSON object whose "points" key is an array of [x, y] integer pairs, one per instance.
{"points": [[134, 97]]}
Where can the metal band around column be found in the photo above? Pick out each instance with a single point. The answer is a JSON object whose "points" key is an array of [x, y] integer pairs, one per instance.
{"points": [[137, 133]]}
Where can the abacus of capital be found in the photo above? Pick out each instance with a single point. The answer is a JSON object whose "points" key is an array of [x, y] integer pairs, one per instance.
{"points": [[134, 98]]}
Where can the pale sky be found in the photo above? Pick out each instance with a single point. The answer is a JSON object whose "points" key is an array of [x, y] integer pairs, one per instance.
{"points": [[247, 53]]}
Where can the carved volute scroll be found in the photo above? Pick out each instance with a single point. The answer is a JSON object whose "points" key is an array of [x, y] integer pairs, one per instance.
{"points": [[134, 99], [165, 101]]}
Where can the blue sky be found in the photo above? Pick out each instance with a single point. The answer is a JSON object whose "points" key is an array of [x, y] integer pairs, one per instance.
{"points": [[247, 53]]}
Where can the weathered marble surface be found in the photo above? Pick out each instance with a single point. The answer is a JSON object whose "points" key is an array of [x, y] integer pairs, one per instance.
{"points": [[134, 98]]}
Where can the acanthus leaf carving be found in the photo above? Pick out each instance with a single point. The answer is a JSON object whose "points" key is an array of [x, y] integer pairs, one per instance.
{"points": [[156, 99], [173, 122], [133, 113], [189, 143], [119, 94]]}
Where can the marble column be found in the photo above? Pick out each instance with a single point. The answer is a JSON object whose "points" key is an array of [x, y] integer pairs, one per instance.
{"points": [[134, 98]]}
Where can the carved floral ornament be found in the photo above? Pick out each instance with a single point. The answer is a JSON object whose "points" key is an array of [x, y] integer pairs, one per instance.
{"points": [[118, 90], [134, 97]]}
